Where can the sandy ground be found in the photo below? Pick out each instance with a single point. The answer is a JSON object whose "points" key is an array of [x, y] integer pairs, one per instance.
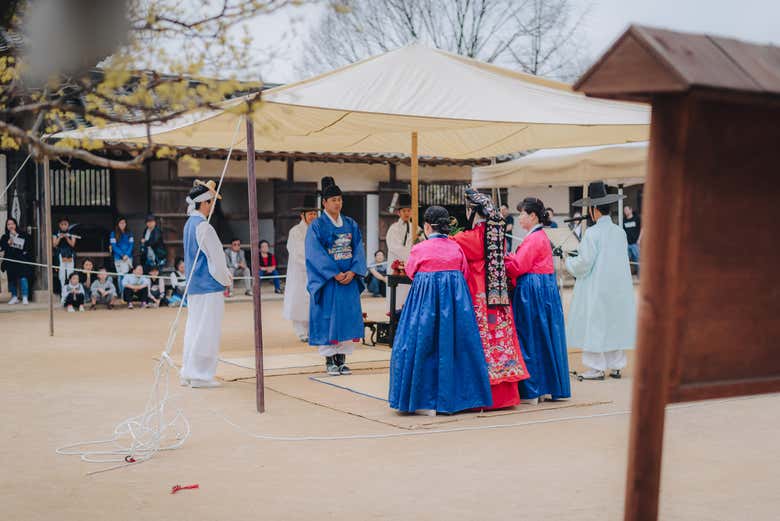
{"points": [[720, 463]]}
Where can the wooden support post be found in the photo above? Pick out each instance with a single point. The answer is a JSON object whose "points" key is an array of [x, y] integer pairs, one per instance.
{"points": [[47, 234], [415, 188], [254, 247]]}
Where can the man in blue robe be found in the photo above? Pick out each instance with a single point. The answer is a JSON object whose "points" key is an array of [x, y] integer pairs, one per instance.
{"points": [[335, 265]]}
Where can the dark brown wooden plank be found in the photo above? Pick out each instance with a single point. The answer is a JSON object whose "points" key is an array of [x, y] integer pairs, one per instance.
{"points": [[630, 69], [760, 62], [658, 327], [697, 59]]}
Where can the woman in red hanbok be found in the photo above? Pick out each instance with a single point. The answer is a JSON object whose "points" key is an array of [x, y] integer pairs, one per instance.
{"points": [[487, 281]]}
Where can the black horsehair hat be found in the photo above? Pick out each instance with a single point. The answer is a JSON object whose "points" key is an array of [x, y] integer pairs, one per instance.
{"points": [[598, 196], [329, 188], [400, 200], [309, 204]]}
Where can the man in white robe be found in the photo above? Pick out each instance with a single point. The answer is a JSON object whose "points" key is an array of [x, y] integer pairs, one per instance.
{"points": [[296, 296], [399, 244], [602, 316], [208, 276]]}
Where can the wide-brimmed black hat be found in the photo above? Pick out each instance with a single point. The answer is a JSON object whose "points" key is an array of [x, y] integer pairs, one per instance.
{"points": [[309, 204], [400, 200], [329, 188], [598, 196]]}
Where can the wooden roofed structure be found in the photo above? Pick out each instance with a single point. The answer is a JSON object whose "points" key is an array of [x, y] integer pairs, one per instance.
{"points": [[708, 326]]}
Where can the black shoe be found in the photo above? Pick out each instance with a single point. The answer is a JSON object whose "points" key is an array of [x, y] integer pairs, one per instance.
{"points": [[331, 367], [615, 373], [278, 291], [341, 360]]}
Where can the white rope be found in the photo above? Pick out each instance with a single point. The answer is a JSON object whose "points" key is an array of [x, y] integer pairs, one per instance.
{"points": [[8, 185], [95, 272], [139, 438], [428, 432]]}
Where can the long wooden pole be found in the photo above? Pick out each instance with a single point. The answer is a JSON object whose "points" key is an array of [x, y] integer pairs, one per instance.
{"points": [[254, 247], [47, 238], [415, 188]]}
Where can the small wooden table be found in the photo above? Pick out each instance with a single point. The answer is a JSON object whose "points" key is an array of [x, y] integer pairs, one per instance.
{"points": [[392, 283]]}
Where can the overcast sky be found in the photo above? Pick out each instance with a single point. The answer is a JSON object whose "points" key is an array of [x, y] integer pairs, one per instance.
{"points": [[753, 20]]}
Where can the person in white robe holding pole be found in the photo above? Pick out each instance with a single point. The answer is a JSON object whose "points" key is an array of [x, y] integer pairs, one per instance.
{"points": [[296, 296], [399, 241], [209, 276]]}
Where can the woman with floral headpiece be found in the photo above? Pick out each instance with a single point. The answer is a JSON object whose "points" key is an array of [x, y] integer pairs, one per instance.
{"points": [[484, 247]]}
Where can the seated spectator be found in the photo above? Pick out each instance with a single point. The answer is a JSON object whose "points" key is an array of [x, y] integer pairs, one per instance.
{"points": [[72, 294], [550, 216], [86, 278], [136, 287], [236, 263], [178, 283], [156, 288], [153, 252], [376, 280], [103, 290], [268, 265], [17, 245], [121, 247]]}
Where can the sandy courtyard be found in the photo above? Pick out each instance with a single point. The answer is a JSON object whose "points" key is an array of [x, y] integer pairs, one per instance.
{"points": [[721, 459]]}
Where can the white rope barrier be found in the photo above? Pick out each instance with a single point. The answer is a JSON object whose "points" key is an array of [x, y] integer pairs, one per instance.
{"points": [[114, 273], [139, 438]]}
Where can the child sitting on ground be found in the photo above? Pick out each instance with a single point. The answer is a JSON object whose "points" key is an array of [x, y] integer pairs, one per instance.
{"points": [[136, 287], [156, 288], [103, 290], [86, 278], [178, 283], [73, 294]]}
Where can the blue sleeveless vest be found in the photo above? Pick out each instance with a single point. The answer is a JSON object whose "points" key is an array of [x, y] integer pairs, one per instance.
{"points": [[202, 281]]}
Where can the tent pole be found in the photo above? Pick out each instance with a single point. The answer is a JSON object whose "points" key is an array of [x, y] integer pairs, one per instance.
{"points": [[47, 234], [254, 248], [620, 206], [415, 188]]}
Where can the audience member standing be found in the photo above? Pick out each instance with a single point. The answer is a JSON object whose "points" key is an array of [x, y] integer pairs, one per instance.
{"points": [[17, 245], [632, 225], [64, 250], [121, 246], [153, 252]]}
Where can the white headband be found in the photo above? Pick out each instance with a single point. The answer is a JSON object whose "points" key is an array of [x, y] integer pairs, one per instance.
{"points": [[205, 196]]}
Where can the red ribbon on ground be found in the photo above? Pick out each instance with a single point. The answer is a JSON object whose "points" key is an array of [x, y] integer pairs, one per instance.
{"points": [[177, 488]]}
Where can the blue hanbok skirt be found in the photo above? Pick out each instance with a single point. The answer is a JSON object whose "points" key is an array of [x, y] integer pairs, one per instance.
{"points": [[437, 361], [539, 321]]}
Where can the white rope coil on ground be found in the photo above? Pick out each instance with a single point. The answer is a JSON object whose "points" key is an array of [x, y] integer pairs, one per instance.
{"points": [[139, 438]]}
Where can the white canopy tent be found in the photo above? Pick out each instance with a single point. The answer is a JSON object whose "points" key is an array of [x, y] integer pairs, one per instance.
{"points": [[460, 108], [624, 164], [414, 100]]}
